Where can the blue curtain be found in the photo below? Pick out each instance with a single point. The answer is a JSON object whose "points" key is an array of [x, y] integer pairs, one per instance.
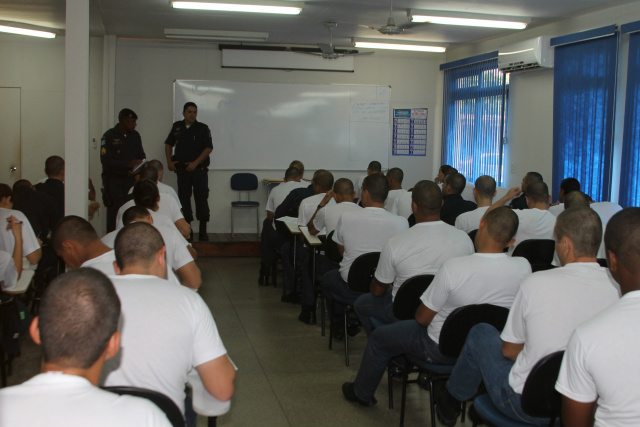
{"points": [[583, 101], [473, 119], [629, 174]]}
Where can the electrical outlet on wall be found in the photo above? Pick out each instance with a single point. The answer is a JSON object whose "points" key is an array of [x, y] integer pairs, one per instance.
{"points": [[513, 168], [93, 143]]}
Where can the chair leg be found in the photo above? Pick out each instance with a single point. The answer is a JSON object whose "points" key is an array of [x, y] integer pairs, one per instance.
{"points": [[212, 421], [405, 381], [322, 313], [331, 327], [346, 340], [257, 222], [390, 388], [232, 234], [432, 402]]}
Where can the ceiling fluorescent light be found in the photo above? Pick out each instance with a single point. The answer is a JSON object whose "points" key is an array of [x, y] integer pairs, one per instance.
{"points": [[469, 22], [25, 32], [215, 35], [232, 7], [394, 46]]}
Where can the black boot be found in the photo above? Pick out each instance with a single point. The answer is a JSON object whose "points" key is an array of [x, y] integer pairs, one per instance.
{"points": [[265, 273], [202, 235], [308, 315]]}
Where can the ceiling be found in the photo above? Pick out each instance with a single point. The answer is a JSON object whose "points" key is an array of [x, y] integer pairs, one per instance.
{"points": [[148, 18]]}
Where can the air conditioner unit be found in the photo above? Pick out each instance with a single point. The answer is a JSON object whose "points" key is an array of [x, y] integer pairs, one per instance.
{"points": [[526, 55]]}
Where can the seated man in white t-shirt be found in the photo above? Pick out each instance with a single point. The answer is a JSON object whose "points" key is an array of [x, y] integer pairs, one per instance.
{"points": [[422, 249], [402, 205], [77, 327], [374, 167], [599, 370], [536, 222], [30, 245], [567, 186], [548, 307], [162, 187], [180, 254], [483, 192], [395, 177], [146, 194], [462, 281], [11, 263], [358, 233], [167, 330]]}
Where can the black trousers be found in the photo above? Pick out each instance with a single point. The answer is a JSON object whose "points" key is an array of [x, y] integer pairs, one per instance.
{"points": [[196, 183], [118, 188]]}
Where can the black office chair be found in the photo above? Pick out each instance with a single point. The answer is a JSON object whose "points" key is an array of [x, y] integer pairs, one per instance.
{"points": [[331, 251], [359, 279], [603, 262], [539, 253], [539, 396], [167, 405], [472, 236]]}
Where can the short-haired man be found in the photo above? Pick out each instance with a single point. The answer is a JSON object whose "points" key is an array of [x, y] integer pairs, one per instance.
{"points": [[460, 281], [167, 330], [453, 204], [536, 222], [30, 245], [599, 369], [358, 233], [484, 192], [395, 177], [77, 327], [180, 255], [443, 171], [520, 202], [374, 167], [548, 307], [187, 148], [39, 207], [54, 185], [162, 187], [120, 154], [567, 186], [419, 250]]}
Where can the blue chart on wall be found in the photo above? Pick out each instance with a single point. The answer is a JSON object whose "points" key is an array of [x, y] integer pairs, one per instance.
{"points": [[410, 132]]}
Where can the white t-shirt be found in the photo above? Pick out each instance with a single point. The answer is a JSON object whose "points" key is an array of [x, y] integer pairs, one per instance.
{"points": [[533, 224], [364, 231], [548, 307], [166, 206], [8, 272], [402, 205], [358, 186], [280, 192], [605, 210], [421, 249], [470, 221], [467, 193], [177, 253], [165, 189], [557, 209], [308, 207], [328, 216], [55, 399], [601, 362], [103, 263], [30, 242], [473, 279], [167, 330], [392, 197]]}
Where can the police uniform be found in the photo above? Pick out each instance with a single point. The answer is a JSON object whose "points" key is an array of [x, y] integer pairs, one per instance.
{"points": [[188, 144], [116, 152]]}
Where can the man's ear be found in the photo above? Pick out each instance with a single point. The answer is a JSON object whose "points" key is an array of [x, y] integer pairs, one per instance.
{"points": [[160, 256], [113, 345], [612, 262], [511, 242], [116, 268], [34, 331]]}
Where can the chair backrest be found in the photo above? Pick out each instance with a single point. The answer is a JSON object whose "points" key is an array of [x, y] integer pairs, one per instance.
{"points": [[362, 270], [244, 181], [472, 235], [331, 249], [539, 396], [536, 251], [603, 262], [167, 405], [457, 325], [407, 299]]}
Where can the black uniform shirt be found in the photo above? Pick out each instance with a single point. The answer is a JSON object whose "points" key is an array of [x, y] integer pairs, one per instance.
{"points": [[117, 150], [189, 143]]}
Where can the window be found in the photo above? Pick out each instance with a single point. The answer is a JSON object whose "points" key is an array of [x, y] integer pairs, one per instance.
{"points": [[475, 97], [629, 175], [583, 109]]}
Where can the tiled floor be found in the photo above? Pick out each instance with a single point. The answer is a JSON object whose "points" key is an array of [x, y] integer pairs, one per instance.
{"points": [[287, 376]]}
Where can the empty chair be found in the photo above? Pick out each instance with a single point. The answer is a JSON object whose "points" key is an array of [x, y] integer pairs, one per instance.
{"points": [[245, 182]]}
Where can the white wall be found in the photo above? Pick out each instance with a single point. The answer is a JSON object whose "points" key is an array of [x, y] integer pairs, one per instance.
{"points": [[530, 132], [145, 71], [37, 67]]}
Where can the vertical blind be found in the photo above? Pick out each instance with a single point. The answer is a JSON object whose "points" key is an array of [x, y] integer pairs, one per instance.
{"points": [[629, 174], [473, 119], [583, 110]]}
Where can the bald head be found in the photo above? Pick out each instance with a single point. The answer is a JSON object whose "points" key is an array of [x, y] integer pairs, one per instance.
{"points": [[623, 239], [502, 224], [135, 213], [145, 194], [73, 228], [485, 187], [137, 244], [374, 167], [576, 199], [343, 186], [428, 198], [377, 186], [54, 167], [292, 174], [455, 183], [583, 227], [298, 165], [323, 179], [537, 192], [395, 177]]}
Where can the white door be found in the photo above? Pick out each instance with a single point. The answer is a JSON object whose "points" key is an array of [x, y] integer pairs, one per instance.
{"points": [[10, 135]]}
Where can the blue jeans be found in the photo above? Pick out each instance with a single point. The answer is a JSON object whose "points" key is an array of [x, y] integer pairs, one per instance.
{"points": [[368, 306], [481, 360], [385, 343], [332, 282]]}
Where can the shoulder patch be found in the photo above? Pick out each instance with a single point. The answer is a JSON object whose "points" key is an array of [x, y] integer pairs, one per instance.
{"points": [[103, 151]]}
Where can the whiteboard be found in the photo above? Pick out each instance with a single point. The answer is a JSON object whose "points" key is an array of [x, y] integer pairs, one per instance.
{"points": [[258, 126]]}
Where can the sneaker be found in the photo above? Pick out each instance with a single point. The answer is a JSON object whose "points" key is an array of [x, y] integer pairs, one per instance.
{"points": [[447, 406], [350, 395], [307, 316]]}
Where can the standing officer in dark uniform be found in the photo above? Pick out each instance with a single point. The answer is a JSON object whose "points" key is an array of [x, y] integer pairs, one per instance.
{"points": [[120, 152], [192, 143]]}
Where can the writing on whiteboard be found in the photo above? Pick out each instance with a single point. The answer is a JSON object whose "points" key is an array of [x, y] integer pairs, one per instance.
{"points": [[369, 111]]}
